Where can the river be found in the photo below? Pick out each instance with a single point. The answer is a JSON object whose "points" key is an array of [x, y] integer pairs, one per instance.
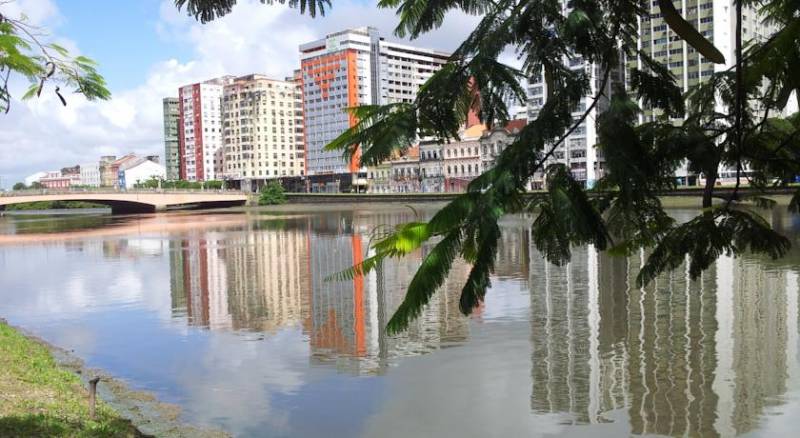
{"points": [[230, 315]]}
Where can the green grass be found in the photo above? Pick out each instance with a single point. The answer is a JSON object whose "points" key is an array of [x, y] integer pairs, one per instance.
{"points": [[39, 399]]}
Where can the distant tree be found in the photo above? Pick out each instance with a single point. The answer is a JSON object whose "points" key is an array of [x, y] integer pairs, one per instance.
{"points": [[152, 183], [214, 184], [36, 185], [624, 214], [24, 51], [19, 186], [272, 194]]}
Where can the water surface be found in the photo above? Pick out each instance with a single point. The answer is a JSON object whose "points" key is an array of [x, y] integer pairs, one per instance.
{"points": [[231, 317]]}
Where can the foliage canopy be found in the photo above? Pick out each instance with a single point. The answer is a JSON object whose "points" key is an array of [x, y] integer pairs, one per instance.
{"points": [[646, 131], [272, 194], [25, 52]]}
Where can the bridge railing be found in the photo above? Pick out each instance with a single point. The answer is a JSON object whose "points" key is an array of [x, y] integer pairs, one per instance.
{"points": [[107, 191]]}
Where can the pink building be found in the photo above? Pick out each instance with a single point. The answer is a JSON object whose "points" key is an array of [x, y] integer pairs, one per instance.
{"points": [[55, 180], [200, 147]]}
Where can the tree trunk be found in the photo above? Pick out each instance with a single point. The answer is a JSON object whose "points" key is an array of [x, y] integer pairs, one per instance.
{"points": [[708, 190]]}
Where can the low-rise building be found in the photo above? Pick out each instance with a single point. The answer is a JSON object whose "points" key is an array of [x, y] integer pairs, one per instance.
{"points": [[494, 141], [137, 171], [405, 176], [34, 178], [90, 174], [462, 161], [109, 169], [431, 166], [54, 179], [379, 178]]}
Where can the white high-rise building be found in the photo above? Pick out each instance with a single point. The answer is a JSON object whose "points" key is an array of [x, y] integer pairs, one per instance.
{"points": [[578, 150], [200, 130], [346, 69], [262, 130], [714, 19]]}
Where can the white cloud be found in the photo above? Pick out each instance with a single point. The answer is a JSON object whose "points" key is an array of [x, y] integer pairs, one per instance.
{"points": [[42, 134], [37, 12]]}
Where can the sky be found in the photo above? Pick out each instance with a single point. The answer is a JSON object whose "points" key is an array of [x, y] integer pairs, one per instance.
{"points": [[146, 49]]}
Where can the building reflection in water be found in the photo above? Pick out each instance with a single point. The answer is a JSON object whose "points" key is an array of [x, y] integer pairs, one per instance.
{"points": [[275, 274], [679, 357]]}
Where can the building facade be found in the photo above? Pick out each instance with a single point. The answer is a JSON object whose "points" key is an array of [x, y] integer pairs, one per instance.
{"points": [[109, 169], [715, 20], [262, 130], [200, 130], [405, 174], [379, 178], [34, 178], [431, 166], [577, 151], [138, 171], [462, 161], [346, 69], [172, 158], [90, 174], [494, 141], [55, 179]]}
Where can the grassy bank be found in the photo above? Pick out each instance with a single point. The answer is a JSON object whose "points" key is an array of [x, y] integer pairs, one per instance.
{"points": [[53, 205], [39, 399]]}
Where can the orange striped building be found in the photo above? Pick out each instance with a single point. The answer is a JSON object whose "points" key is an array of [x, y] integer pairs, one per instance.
{"points": [[347, 69]]}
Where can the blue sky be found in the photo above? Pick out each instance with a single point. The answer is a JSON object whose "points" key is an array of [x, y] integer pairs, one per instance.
{"points": [[146, 49], [120, 35]]}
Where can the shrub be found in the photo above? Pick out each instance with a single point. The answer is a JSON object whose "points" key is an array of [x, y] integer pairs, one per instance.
{"points": [[272, 194]]}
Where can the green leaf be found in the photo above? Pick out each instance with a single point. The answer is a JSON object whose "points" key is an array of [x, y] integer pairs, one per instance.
{"points": [[427, 280], [706, 237], [60, 49], [209, 10]]}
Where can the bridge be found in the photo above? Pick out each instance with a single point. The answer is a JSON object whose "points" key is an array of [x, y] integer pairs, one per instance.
{"points": [[136, 201]]}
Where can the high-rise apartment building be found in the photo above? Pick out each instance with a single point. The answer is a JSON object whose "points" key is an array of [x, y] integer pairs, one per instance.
{"points": [[715, 19], [262, 122], [346, 69], [171, 148], [200, 130], [578, 150]]}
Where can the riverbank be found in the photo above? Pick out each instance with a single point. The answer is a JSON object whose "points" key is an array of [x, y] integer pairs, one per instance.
{"points": [[54, 205], [39, 398], [43, 392], [683, 197], [315, 202]]}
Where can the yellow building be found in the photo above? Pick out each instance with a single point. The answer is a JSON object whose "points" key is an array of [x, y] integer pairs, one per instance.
{"points": [[262, 123]]}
